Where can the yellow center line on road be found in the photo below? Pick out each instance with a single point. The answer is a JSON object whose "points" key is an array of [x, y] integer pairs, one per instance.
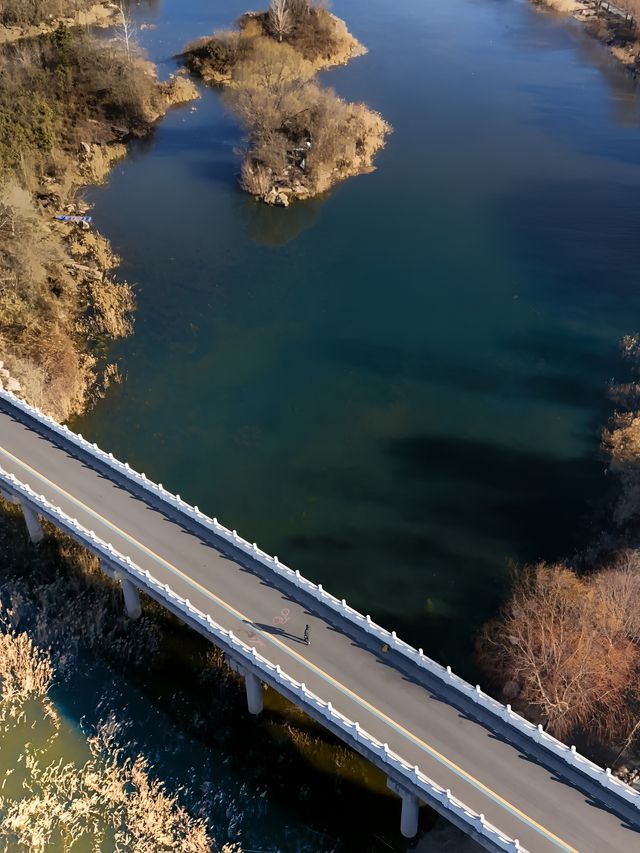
{"points": [[291, 652]]}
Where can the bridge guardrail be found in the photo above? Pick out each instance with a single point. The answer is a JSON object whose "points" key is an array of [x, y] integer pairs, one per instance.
{"points": [[536, 734], [228, 640]]}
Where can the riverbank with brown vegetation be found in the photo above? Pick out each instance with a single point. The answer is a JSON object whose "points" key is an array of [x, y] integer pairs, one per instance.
{"points": [[565, 648], [23, 20], [69, 104], [615, 24], [302, 138]]}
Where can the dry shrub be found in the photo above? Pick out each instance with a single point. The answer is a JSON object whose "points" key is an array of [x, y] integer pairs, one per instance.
{"points": [[313, 33], [618, 588], [301, 138], [256, 178], [63, 95], [214, 57], [50, 303], [112, 305], [324, 39], [631, 6], [317, 35], [621, 440], [29, 12], [345, 139], [38, 306], [112, 801], [69, 607], [567, 647], [66, 88], [271, 67], [337, 139], [25, 671]]}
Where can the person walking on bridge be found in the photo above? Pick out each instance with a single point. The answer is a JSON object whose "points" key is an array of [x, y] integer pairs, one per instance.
{"points": [[306, 635]]}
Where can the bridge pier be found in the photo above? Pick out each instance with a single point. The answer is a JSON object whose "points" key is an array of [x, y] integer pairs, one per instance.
{"points": [[255, 698], [32, 521], [252, 684], [410, 809], [131, 598]]}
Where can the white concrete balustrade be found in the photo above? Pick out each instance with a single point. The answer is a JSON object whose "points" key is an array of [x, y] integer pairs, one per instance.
{"points": [[413, 785], [342, 609]]}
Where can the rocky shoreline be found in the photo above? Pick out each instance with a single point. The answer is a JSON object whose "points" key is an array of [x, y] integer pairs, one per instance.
{"points": [[608, 23]]}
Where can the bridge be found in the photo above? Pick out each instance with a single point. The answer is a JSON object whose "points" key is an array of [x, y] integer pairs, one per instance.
{"points": [[439, 740]]}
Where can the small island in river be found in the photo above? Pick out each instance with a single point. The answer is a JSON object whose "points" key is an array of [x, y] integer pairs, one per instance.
{"points": [[302, 138]]}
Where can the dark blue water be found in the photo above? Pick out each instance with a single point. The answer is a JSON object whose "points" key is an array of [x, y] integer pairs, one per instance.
{"points": [[397, 388]]}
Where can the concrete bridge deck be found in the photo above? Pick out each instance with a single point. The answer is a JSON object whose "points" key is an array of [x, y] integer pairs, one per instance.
{"points": [[414, 715]]}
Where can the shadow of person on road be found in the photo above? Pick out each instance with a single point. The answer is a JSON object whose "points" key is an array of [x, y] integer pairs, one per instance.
{"points": [[278, 632]]}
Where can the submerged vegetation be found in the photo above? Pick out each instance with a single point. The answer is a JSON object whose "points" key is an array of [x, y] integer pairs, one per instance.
{"points": [[110, 798], [301, 137]]}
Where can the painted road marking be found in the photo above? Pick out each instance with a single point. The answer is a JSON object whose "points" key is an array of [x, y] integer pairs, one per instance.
{"points": [[325, 676]]}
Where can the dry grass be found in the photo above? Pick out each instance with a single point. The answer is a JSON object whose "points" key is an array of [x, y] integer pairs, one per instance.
{"points": [[54, 295], [304, 139], [315, 35], [30, 12], [50, 615], [25, 672], [50, 594], [111, 798], [630, 6]]}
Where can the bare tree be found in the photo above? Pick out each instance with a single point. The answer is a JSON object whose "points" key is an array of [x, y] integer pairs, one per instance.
{"points": [[280, 20], [567, 643], [126, 28]]}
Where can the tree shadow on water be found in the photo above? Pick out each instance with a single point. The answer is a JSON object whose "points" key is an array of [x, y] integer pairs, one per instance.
{"points": [[529, 497], [275, 226]]}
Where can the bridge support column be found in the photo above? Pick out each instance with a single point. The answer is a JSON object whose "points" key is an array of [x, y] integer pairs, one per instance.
{"points": [[410, 809], [33, 522], [252, 684], [131, 598], [255, 698]]}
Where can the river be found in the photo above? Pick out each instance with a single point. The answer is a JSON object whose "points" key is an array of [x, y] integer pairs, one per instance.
{"points": [[397, 388]]}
